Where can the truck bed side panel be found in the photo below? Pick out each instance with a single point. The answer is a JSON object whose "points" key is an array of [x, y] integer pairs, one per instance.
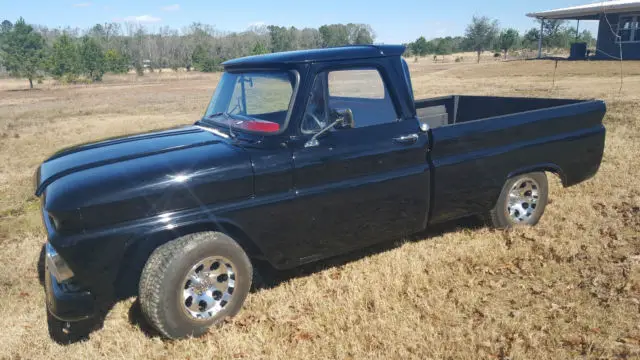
{"points": [[472, 160], [472, 108]]}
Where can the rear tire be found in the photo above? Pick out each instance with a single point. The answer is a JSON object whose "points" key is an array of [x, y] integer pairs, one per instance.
{"points": [[193, 283], [521, 202]]}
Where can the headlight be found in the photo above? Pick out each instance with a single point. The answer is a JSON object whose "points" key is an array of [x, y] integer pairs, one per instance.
{"points": [[56, 264]]}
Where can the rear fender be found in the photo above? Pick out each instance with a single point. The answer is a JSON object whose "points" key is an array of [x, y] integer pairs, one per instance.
{"points": [[545, 167]]}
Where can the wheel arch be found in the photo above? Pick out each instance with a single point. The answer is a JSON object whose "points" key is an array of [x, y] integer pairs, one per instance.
{"points": [[141, 247], [544, 167]]}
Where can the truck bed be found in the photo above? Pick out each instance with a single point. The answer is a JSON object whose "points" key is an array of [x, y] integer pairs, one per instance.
{"points": [[451, 110], [478, 142]]}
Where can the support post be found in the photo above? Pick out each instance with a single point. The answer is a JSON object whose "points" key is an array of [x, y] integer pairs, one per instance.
{"points": [[540, 38], [578, 31]]}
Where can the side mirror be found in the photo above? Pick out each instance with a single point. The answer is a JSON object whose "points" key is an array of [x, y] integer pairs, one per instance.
{"points": [[343, 120]]}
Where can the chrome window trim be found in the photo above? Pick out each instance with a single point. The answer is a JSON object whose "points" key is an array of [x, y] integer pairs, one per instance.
{"points": [[350, 68], [292, 99]]}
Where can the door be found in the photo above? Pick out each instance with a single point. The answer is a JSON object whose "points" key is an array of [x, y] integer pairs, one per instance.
{"points": [[361, 185]]}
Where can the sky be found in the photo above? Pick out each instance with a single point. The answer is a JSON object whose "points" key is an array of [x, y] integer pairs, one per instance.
{"points": [[393, 21]]}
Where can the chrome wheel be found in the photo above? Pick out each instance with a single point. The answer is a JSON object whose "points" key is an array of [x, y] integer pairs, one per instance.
{"points": [[208, 287], [523, 200]]}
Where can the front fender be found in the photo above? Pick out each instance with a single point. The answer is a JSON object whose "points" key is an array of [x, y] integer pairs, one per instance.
{"points": [[174, 228]]}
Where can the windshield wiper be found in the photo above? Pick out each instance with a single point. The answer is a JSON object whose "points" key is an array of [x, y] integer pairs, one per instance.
{"points": [[228, 117]]}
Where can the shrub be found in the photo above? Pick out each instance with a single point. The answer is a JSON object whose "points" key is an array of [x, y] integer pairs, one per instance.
{"points": [[210, 65], [69, 78], [116, 62]]}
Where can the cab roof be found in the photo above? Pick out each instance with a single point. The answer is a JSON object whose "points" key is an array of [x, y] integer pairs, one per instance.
{"points": [[351, 52]]}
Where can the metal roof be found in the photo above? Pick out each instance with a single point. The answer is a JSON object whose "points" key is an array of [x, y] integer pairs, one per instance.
{"points": [[589, 11], [328, 54]]}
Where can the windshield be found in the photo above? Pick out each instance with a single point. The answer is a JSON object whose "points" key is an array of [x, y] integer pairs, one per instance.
{"points": [[253, 101]]}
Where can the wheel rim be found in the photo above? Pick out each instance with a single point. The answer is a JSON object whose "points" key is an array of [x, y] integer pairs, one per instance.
{"points": [[523, 199], [208, 287]]}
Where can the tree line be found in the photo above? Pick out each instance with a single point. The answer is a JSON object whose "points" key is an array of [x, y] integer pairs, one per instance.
{"points": [[72, 55], [485, 34]]}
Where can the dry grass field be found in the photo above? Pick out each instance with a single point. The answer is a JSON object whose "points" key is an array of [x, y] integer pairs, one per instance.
{"points": [[569, 288]]}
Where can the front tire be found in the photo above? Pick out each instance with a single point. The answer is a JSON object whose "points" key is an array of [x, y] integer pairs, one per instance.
{"points": [[521, 202], [193, 283]]}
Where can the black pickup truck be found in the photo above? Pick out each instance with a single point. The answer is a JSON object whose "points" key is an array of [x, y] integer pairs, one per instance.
{"points": [[299, 156]]}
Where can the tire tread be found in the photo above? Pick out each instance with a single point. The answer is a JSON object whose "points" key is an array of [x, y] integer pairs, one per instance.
{"points": [[161, 259]]}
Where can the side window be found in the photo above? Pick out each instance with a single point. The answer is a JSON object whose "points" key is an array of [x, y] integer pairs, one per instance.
{"points": [[357, 84], [362, 90], [625, 29]]}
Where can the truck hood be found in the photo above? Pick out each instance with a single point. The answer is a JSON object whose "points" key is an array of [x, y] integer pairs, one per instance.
{"points": [[90, 155], [138, 176]]}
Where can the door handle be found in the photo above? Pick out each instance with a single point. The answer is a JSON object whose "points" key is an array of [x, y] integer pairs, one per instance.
{"points": [[407, 139]]}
